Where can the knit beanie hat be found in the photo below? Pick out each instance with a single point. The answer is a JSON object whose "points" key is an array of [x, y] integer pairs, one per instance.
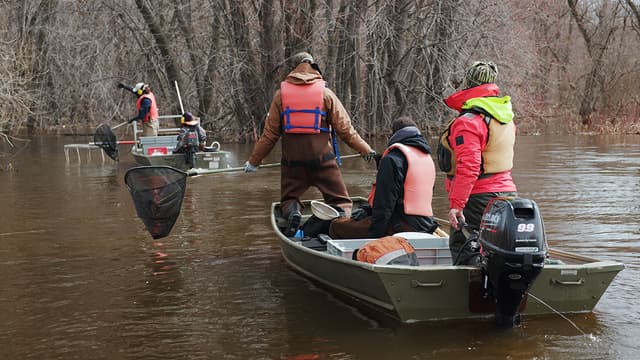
{"points": [[480, 72], [402, 122]]}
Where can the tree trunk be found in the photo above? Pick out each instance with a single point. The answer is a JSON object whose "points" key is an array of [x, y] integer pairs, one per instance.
{"points": [[162, 42]]}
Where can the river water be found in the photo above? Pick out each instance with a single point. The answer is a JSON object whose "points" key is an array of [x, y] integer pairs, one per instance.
{"points": [[82, 279]]}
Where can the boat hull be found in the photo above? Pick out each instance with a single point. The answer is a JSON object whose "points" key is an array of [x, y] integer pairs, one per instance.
{"points": [[572, 284]]}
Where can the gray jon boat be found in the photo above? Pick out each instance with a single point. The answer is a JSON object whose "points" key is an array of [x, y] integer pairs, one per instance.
{"points": [[158, 151], [436, 289]]}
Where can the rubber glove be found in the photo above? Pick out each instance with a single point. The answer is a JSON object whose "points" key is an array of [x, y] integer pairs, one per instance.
{"points": [[361, 212], [250, 168], [369, 156]]}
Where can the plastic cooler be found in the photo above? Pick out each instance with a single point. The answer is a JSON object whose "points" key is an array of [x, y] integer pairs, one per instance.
{"points": [[430, 249]]}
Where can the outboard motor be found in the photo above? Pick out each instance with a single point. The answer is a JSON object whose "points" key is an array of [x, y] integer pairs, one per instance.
{"points": [[514, 249]]}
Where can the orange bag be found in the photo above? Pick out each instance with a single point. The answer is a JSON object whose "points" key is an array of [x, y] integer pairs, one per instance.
{"points": [[388, 250]]}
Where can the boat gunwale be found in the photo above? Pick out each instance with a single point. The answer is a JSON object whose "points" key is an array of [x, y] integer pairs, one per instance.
{"points": [[587, 262]]}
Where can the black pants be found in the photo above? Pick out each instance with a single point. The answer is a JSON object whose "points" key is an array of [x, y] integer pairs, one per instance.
{"points": [[461, 254]]}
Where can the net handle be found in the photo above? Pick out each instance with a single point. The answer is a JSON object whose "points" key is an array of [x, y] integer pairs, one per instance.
{"points": [[196, 172]]}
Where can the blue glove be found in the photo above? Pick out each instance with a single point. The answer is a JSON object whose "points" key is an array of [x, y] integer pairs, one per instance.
{"points": [[250, 168], [361, 212], [369, 156]]}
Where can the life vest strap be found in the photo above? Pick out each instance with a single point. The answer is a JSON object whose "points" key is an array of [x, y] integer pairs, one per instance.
{"points": [[286, 115]]}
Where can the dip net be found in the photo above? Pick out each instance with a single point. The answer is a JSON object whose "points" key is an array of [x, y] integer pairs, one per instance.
{"points": [[157, 192], [106, 139]]}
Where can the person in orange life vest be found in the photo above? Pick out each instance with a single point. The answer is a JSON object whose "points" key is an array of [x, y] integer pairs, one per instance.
{"points": [[476, 151], [190, 124], [304, 112], [147, 109], [401, 198]]}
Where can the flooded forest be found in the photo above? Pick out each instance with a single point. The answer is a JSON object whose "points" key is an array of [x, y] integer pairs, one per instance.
{"points": [[569, 66]]}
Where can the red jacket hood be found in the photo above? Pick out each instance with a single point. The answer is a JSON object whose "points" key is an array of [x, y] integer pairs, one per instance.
{"points": [[457, 99]]}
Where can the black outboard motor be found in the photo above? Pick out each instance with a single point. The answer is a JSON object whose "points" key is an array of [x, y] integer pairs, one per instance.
{"points": [[514, 249]]}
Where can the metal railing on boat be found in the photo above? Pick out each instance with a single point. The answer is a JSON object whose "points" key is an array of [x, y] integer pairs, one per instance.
{"points": [[90, 146], [77, 147]]}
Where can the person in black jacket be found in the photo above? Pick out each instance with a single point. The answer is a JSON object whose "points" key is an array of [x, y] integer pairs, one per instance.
{"points": [[401, 197]]}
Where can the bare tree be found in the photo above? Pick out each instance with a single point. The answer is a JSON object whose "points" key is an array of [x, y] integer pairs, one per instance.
{"points": [[597, 28], [62, 59]]}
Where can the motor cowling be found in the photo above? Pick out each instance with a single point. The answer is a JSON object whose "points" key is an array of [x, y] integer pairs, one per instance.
{"points": [[514, 249]]}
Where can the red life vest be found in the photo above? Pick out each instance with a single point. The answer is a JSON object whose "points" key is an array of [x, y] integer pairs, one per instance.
{"points": [[421, 172], [302, 107], [153, 110]]}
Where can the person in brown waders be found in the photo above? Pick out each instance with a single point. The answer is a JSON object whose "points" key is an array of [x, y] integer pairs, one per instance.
{"points": [[305, 113]]}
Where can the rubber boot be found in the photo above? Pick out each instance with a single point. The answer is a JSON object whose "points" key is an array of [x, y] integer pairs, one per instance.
{"points": [[294, 219]]}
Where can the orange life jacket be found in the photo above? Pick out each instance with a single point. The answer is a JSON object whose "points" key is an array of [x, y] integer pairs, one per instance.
{"points": [[387, 250], [302, 107], [153, 110], [420, 171]]}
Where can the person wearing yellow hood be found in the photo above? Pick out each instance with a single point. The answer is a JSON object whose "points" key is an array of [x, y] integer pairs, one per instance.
{"points": [[476, 152]]}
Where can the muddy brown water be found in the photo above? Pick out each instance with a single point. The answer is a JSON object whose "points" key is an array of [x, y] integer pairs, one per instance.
{"points": [[82, 279]]}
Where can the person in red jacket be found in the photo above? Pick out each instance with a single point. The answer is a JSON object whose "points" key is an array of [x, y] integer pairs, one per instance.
{"points": [[476, 152], [306, 114]]}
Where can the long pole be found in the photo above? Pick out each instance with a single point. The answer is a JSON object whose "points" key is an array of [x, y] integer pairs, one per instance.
{"points": [[179, 98], [121, 124], [195, 172]]}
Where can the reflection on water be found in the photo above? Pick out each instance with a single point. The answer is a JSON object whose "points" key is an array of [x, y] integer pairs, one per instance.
{"points": [[83, 278]]}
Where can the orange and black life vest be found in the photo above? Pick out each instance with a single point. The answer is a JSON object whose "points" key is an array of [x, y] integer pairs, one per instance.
{"points": [[420, 171], [153, 110], [302, 108]]}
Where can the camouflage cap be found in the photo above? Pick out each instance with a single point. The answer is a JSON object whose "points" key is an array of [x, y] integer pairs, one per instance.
{"points": [[299, 58], [480, 72]]}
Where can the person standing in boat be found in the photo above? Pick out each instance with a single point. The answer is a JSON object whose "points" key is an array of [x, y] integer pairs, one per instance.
{"points": [[147, 109], [401, 197], [305, 113], [191, 134], [476, 153]]}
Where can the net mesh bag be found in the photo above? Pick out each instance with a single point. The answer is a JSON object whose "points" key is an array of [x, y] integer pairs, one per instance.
{"points": [[157, 192], [105, 139]]}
